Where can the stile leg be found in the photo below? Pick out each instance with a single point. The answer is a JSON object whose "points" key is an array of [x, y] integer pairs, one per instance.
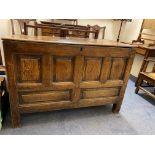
{"points": [[15, 117], [15, 120], [116, 107]]}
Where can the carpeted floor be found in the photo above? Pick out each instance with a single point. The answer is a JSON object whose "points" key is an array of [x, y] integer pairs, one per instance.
{"points": [[137, 116]]}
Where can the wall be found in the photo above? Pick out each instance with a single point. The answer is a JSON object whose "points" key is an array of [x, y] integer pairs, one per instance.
{"points": [[130, 31]]}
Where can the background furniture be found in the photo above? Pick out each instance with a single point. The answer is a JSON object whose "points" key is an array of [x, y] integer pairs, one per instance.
{"points": [[98, 29], [71, 30], [146, 41], [73, 21], [4, 100], [81, 27], [146, 47], [146, 24], [20, 24], [48, 30], [45, 30], [149, 77], [46, 73]]}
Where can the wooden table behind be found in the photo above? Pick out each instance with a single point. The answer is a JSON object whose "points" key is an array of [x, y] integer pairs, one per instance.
{"points": [[46, 73]]}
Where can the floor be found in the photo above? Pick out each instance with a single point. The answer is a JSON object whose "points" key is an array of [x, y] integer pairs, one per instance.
{"points": [[137, 116]]}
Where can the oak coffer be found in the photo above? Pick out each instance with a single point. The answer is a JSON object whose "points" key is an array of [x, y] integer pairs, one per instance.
{"points": [[52, 73]]}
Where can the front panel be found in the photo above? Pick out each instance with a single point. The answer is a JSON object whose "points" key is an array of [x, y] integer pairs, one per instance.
{"points": [[28, 68], [46, 76], [103, 72], [50, 76]]}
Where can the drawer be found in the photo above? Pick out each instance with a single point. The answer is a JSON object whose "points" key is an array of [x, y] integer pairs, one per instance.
{"points": [[35, 97], [98, 93]]}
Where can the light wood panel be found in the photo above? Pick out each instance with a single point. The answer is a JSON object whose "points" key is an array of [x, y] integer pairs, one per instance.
{"points": [[117, 68], [28, 68], [92, 67], [63, 69]]}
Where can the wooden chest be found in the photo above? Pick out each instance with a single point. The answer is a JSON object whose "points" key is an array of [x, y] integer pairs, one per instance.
{"points": [[46, 73]]}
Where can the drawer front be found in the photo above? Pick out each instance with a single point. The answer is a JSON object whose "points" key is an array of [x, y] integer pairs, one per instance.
{"points": [[97, 93], [49, 96]]}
